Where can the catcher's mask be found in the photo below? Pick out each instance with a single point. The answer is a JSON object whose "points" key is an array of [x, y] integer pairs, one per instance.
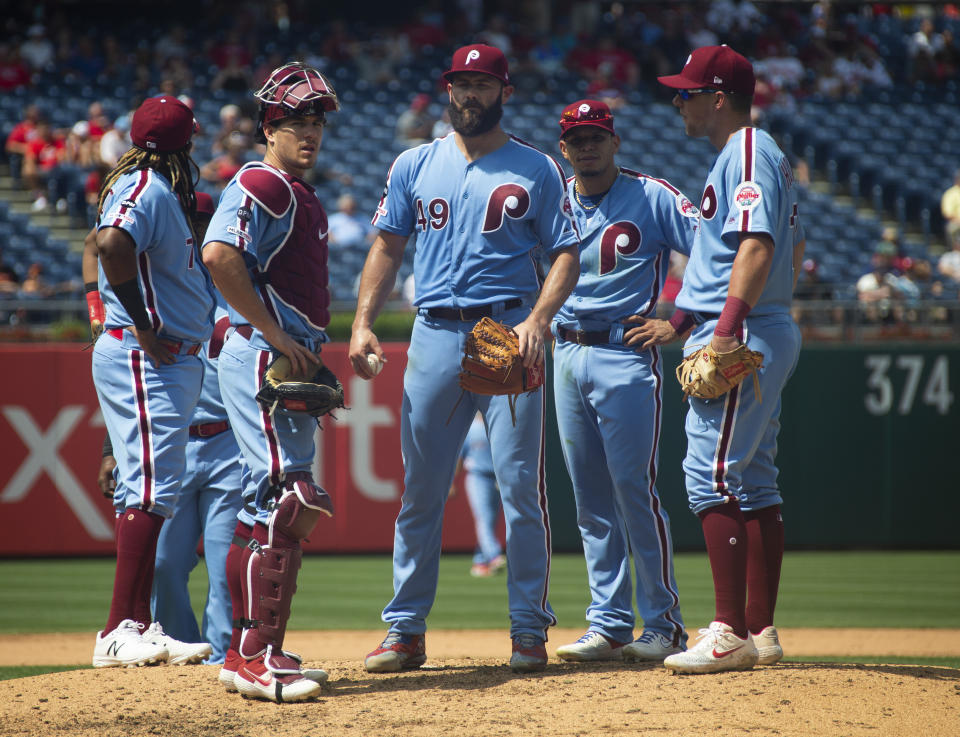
{"points": [[294, 89]]}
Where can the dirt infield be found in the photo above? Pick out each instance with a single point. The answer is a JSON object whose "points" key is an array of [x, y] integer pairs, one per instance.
{"points": [[465, 690]]}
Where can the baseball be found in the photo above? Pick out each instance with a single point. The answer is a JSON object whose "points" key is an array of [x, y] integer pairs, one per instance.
{"points": [[374, 363]]}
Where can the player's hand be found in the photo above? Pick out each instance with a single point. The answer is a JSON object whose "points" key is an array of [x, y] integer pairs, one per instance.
{"points": [[724, 345], [530, 340], [105, 478], [302, 359], [648, 332], [152, 346], [362, 342]]}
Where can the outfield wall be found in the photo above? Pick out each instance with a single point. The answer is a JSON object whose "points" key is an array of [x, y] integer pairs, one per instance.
{"points": [[868, 436]]}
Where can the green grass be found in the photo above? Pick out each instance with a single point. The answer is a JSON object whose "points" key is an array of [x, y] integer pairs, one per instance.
{"points": [[831, 589]]}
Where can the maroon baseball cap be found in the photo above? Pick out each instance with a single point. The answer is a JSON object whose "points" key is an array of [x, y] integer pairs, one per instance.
{"points": [[716, 68], [162, 125], [479, 58], [586, 112], [204, 204]]}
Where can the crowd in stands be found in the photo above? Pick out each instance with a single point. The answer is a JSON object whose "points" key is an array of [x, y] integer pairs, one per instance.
{"points": [[603, 50]]}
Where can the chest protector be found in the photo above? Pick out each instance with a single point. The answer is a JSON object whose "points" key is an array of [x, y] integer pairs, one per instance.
{"points": [[296, 272]]}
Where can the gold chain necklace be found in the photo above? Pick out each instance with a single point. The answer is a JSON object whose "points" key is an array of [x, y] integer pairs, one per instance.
{"points": [[584, 205]]}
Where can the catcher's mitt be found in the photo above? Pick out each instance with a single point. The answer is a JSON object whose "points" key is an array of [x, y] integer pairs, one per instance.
{"points": [[492, 364], [706, 374], [317, 394]]}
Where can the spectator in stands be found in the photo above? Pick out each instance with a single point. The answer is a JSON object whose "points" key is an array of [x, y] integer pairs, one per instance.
{"points": [[234, 76], [890, 241], [950, 208], [877, 289], [18, 139], [949, 263], [221, 169], [14, 72], [923, 47], [65, 183], [37, 51], [34, 284], [43, 153], [9, 279], [115, 142], [811, 288], [86, 61], [345, 229], [415, 124]]}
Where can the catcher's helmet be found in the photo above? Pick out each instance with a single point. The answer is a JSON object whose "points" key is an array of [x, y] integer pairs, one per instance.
{"points": [[294, 89]]}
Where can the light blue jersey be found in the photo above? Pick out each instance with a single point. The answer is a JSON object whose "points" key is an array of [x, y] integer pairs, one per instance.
{"points": [[476, 222], [176, 288], [625, 249], [748, 190]]}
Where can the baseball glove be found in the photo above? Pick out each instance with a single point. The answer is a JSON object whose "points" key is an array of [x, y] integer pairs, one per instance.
{"points": [[706, 374], [492, 365], [317, 394]]}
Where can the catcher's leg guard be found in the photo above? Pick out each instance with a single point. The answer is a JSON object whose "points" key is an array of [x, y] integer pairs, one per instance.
{"points": [[272, 559], [269, 582], [298, 507]]}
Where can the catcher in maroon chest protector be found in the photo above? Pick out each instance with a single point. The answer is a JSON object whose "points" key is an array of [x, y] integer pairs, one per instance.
{"points": [[266, 249]]}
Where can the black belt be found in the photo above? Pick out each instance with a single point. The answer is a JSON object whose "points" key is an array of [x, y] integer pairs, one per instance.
{"points": [[471, 313], [584, 337], [209, 429], [701, 317]]}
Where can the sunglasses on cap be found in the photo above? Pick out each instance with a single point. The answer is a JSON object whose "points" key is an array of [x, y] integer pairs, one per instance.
{"points": [[577, 115], [687, 94]]}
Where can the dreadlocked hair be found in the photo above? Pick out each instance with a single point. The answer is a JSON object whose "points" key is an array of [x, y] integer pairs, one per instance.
{"points": [[178, 167]]}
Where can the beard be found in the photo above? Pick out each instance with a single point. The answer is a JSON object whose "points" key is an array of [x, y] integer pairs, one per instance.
{"points": [[474, 119]]}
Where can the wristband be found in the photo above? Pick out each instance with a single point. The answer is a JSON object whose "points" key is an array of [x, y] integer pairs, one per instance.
{"points": [[128, 294], [681, 322], [90, 286], [735, 311], [95, 309]]}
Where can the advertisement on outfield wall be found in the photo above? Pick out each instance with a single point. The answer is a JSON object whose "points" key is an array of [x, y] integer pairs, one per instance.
{"points": [[52, 433]]}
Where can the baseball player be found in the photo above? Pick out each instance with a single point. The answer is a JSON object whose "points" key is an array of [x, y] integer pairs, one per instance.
{"points": [[202, 507], [158, 309], [479, 202], [609, 395], [208, 504], [266, 249], [737, 289], [480, 483]]}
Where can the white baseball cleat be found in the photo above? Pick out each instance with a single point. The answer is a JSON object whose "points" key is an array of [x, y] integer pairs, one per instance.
{"points": [[769, 650], [592, 646], [650, 647], [718, 649], [180, 653], [126, 647], [274, 679]]}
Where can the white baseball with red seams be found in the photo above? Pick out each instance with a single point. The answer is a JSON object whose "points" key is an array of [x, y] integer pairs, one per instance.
{"points": [[374, 363]]}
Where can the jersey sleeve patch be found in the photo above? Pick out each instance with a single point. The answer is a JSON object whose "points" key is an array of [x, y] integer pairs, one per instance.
{"points": [[685, 207], [267, 188], [747, 195]]}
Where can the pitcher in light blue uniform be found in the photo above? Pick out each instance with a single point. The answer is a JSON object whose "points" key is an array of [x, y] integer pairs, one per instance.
{"points": [[737, 288], [479, 202], [608, 392]]}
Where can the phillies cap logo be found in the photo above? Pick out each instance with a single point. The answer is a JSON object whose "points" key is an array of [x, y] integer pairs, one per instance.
{"points": [[584, 108], [471, 55], [747, 195]]}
